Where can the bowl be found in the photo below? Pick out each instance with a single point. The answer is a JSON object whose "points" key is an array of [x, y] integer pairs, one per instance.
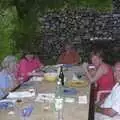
{"points": [[50, 77]]}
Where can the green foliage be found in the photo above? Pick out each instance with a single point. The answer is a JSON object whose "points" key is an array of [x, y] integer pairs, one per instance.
{"points": [[7, 25], [100, 5], [25, 31], [4, 4]]}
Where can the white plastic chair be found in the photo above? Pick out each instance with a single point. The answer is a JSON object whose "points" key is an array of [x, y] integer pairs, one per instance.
{"points": [[99, 94]]}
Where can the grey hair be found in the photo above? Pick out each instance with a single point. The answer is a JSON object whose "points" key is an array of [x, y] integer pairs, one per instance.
{"points": [[8, 60]]}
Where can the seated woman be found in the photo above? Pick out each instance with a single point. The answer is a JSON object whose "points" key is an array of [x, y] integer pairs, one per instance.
{"points": [[27, 65], [103, 75], [8, 76], [69, 56]]}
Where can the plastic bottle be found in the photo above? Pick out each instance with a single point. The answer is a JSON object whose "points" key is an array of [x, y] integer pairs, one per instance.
{"points": [[59, 101]]}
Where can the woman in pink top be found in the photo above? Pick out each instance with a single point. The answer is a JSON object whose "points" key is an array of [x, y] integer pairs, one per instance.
{"points": [[27, 65], [103, 75]]}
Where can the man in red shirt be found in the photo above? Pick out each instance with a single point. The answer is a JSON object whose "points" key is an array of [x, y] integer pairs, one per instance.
{"points": [[69, 56]]}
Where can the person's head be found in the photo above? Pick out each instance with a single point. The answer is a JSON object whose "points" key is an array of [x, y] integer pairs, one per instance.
{"points": [[28, 55], [97, 57], [68, 47], [9, 63], [117, 71]]}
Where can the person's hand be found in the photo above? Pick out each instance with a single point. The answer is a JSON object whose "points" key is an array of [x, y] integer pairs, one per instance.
{"points": [[92, 72], [21, 80], [16, 83], [30, 74], [85, 66], [42, 66], [36, 73]]}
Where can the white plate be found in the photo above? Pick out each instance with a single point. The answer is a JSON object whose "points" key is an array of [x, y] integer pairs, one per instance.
{"points": [[39, 79]]}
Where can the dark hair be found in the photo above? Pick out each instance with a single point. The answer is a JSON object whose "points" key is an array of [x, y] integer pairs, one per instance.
{"points": [[98, 52], [26, 52]]}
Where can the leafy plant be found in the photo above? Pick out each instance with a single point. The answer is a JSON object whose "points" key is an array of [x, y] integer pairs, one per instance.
{"points": [[7, 25]]}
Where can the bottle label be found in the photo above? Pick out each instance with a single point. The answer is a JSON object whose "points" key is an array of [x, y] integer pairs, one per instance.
{"points": [[59, 82]]}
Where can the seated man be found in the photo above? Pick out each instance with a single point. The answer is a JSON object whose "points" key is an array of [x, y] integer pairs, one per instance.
{"points": [[109, 109], [69, 56]]}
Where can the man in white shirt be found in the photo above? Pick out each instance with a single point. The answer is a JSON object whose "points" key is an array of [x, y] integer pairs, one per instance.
{"points": [[109, 109]]}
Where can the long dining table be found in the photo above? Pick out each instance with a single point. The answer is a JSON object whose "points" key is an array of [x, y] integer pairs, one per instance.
{"points": [[78, 110]]}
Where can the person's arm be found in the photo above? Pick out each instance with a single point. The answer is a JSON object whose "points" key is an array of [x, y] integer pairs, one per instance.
{"points": [[99, 103], [76, 58], [102, 70], [106, 111]]}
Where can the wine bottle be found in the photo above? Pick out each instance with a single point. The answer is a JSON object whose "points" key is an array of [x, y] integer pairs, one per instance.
{"points": [[61, 75]]}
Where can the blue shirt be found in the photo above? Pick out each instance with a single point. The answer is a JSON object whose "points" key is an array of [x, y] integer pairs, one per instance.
{"points": [[6, 82]]}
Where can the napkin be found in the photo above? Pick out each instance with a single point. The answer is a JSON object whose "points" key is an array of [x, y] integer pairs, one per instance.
{"points": [[69, 100], [45, 97], [75, 77], [8, 100], [82, 99], [23, 94], [38, 79]]}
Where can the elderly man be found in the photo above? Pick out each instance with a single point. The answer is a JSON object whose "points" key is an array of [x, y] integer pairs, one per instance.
{"points": [[109, 109]]}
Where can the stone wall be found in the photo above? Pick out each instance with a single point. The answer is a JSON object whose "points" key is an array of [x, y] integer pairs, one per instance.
{"points": [[116, 6], [80, 26]]}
